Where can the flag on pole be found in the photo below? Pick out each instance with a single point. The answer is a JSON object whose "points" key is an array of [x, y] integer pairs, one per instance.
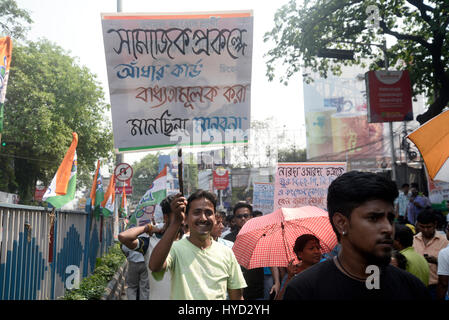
{"points": [[147, 206], [109, 198], [63, 186], [157, 191], [5, 62], [123, 211], [97, 193]]}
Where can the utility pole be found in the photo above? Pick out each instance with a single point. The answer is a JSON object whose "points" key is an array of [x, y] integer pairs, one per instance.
{"points": [[393, 154], [118, 159]]}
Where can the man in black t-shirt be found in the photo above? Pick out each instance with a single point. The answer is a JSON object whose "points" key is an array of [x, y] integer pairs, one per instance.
{"points": [[361, 211]]}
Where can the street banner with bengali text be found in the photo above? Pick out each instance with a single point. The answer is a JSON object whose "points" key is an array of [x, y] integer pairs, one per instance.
{"points": [[178, 79], [304, 183], [263, 197], [389, 96], [5, 62]]}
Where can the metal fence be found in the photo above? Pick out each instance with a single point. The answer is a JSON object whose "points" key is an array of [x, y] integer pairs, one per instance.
{"points": [[36, 249]]}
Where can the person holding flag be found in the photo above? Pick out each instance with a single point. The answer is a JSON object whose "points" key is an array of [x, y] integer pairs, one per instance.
{"points": [[63, 186]]}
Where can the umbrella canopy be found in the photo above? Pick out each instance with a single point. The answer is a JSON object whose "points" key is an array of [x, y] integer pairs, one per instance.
{"points": [[268, 241], [432, 140]]}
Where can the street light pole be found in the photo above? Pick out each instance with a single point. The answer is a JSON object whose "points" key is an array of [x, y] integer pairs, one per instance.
{"points": [[390, 124], [118, 160]]}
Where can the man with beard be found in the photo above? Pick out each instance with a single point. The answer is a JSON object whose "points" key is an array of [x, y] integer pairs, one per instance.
{"points": [[361, 211], [201, 269]]}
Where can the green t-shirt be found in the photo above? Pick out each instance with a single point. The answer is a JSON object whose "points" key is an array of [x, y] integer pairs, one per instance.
{"points": [[198, 274], [417, 265]]}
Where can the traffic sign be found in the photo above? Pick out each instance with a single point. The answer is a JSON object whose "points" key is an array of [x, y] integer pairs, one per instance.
{"points": [[123, 172]]}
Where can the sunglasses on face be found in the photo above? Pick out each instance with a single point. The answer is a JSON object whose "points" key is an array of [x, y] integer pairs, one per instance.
{"points": [[240, 216]]}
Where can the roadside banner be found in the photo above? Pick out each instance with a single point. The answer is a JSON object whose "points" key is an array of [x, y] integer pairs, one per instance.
{"points": [[263, 194], [305, 183]]}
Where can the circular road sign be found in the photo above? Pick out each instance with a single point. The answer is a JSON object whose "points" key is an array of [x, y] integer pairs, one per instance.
{"points": [[123, 172]]}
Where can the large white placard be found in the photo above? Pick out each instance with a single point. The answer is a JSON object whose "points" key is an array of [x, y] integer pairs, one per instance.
{"points": [[305, 183], [178, 79]]}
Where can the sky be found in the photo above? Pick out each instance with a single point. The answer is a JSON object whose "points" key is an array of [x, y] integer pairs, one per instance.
{"points": [[76, 27]]}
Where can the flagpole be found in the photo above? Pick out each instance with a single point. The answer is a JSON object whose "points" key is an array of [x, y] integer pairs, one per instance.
{"points": [[180, 180]]}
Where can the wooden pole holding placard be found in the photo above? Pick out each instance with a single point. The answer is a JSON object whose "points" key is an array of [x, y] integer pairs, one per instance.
{"points": [[181, 184]]}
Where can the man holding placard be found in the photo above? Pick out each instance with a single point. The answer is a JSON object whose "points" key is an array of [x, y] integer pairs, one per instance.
{"points": [[187, 258]]}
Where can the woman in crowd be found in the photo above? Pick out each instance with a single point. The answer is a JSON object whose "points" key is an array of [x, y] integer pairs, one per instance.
{"points": [[308, 251]]}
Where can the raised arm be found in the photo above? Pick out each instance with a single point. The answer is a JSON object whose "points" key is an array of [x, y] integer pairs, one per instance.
{"points": [[129, 237], [161, 250]]}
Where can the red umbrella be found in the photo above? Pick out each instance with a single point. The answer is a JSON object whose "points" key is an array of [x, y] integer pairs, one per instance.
{"points": [[268, 241]]}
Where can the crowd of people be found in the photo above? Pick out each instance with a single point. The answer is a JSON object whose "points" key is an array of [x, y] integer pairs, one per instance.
{"points": [[391, 245]]}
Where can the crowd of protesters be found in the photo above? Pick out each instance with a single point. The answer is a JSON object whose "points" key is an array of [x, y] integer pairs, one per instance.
{"points": [[190, 255]]}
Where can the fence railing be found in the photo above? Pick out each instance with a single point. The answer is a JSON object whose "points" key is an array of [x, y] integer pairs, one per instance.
{"points": [[36, 249]]}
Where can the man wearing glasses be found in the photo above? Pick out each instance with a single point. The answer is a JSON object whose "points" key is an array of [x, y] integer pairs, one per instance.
{"points": [[242, 213], [253, 277]]}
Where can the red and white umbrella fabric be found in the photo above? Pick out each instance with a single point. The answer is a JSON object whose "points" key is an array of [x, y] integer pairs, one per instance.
{"points": [[268, 241]]}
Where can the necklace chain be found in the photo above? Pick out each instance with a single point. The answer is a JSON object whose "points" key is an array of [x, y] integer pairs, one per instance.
{"points": [[346, 271]]}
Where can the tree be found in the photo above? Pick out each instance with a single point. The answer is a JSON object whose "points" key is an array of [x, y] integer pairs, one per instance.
{"points": [[292, 155], [420, 28], [49, 96], [13, 20]]}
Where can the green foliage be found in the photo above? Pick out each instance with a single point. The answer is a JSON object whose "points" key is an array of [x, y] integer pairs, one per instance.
{"points": [[301, 30], [93, 287], [292, 155], [13, 20], [49, 96]]}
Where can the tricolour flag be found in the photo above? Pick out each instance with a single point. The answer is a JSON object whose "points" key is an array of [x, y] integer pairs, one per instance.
{"points": [[63, 186], [97, 193], [5, 62], [157, 191], [123, 211], [146, 208], [109, 198]]}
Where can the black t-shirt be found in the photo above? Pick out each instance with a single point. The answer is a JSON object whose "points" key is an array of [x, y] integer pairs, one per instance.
{"points": [[231, 236], [254, 277], [255, 280], [324, 281]]}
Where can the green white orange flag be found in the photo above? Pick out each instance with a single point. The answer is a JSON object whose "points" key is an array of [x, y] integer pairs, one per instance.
{"points": [[109, 198], [63, 186], [123, 211], [146, 208], [97, 193], [157, 191], [5, 62]]}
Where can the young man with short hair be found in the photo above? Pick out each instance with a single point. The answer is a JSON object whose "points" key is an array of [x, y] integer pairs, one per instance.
{"points": [[361, 211], [132, 239], [429, 243], [201, 268]]}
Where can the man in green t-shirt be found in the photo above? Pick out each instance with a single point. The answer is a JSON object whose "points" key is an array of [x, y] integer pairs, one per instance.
{"points": [[416, 263], [201, 269]]}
